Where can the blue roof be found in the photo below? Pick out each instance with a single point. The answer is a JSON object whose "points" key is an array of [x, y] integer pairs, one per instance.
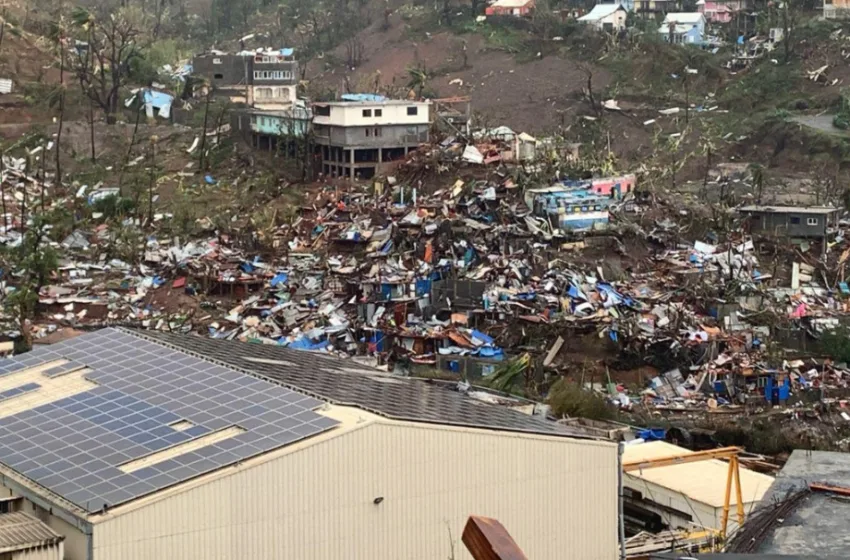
{"points": [[287, 52], [363, 97], [157, 98]]}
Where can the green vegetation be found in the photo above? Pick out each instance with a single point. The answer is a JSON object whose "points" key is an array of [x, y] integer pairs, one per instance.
{"points": [[568, 398], [30, 265], [836, 344]]}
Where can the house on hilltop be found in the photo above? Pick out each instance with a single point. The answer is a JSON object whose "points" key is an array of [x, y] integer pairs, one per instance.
{"points": [[606, 17], [510, 8], [683, 28]]}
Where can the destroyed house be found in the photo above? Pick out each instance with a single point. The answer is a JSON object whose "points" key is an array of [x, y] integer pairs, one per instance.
{"points": [[357, 135], [809, 222], [570, 209], [139, 445], [264, 78]]}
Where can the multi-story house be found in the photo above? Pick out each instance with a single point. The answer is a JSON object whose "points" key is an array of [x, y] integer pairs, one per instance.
{"points": [[360, 133], [262, 79]]}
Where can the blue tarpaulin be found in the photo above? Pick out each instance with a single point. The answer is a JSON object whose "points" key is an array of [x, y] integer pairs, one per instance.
{"points": [[157, 99], [280, 278], [652, 434], [482, 337], [423, 287], [306, 344], [359, 97]]}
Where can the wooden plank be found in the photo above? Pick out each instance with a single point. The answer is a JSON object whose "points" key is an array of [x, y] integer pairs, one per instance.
{"points": [[487, 539], [841, 490], [550, 356]]}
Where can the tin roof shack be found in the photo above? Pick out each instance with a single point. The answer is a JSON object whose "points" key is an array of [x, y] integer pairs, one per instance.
{"points": [[796, 222], [576, 209], [23, 537], [510, 8]]}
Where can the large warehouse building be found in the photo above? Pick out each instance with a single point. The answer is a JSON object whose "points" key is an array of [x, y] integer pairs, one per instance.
{"points": [[160, 446]]}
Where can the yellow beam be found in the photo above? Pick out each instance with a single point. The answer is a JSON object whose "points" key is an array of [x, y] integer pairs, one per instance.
{"points": [[681, 459]]}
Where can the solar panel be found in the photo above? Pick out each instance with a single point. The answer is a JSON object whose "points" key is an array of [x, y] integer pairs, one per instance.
{"points": [[75, 445], [56, 371], [17, 391]]}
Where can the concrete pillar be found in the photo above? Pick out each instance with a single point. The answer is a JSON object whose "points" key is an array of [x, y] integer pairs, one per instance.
{"points": [[380, 156], [351, 159]]}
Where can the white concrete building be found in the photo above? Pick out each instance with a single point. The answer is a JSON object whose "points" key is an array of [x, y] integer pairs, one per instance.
{"points": [[357, 136], [158, 446]]}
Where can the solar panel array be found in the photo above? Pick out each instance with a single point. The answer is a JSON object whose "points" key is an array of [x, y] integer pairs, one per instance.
{"points": [[75, 445]]}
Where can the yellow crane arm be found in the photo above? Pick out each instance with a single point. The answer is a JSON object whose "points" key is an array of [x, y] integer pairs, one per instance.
{"points": [[734, 475], [692, 457]]}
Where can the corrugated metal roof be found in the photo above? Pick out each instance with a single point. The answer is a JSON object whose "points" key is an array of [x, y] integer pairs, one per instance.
{"points": [[345, 382], [5, 86], [21, 531], [702, 481], [789, 209]]}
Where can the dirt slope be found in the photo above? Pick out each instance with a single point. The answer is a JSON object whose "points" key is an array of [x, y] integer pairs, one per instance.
{"points": [[526, 96]]}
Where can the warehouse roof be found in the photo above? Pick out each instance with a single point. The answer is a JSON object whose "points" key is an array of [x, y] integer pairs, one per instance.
{"points": [[820, 524], [345, 382], [702, 481], [20, 531], [107, 417]]}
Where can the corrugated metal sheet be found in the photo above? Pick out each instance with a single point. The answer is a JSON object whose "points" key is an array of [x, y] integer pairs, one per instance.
{"points": [[20, 531], [558, 496], [5, 86], [703, 481]]}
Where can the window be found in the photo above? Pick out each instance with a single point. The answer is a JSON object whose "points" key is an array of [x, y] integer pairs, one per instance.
{"points": [[367, 112], [216, 61], [379, 112], [413, 111], [377, 132], [795, 220], [218, 76], [368, 132], [272, 75], [811, 221], [322, 110]]}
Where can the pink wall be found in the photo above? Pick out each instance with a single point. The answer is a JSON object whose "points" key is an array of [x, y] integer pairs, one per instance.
{"points": [[605, 185]]}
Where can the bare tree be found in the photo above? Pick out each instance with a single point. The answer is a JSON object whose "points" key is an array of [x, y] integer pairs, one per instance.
{"points": [[354, 52], [104, 66], [588, 90], [789, 20]]}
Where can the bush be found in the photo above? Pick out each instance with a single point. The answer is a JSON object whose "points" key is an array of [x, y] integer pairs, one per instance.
{"points": [[568, 398], [113, 206], [836, 344]]}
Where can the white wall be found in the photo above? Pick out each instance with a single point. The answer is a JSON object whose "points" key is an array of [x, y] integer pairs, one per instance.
{"points": [[351, 114], [557, 497], [617, 19], [704, 515]]}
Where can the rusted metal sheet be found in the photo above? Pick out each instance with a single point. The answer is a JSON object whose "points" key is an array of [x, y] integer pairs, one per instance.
{"points": [[487, 539]]}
